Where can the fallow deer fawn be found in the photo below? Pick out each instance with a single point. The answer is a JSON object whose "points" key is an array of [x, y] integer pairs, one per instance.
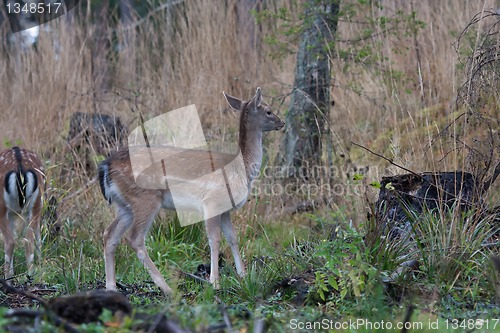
{"points": [[137, 207], [22, 177]]}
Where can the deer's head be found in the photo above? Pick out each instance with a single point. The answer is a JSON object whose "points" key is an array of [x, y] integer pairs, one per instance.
{"points": [[255, 114]]}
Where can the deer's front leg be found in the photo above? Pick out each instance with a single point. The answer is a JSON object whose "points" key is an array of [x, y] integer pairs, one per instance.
{"points": [[213, 227], [229, 232]]}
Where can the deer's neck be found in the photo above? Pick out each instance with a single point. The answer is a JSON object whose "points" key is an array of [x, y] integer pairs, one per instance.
{"points": [[250, 143]]}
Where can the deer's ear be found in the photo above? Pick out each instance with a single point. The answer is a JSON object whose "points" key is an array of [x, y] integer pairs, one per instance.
{"points": [[233, 102], [258, 97]]}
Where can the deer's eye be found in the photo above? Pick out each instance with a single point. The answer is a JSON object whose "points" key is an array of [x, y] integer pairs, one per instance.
{"points": [[269, 113]]}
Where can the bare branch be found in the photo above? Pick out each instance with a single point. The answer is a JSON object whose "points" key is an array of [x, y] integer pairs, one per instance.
{"points": [[386, 159]]}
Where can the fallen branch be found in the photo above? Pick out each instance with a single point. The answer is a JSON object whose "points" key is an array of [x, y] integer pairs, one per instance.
{"points": [[197, 278], [9, 289], [55, 319]]}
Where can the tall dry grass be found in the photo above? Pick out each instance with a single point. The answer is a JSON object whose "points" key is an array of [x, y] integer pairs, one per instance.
{"points": [[157, 65], [399, 119], [162, 64], [402, 119]]}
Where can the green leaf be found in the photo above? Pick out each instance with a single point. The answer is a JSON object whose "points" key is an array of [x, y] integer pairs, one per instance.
{"points": [[343, 293], [106, 315], [358, 176], [321, 294], [333, 282]]}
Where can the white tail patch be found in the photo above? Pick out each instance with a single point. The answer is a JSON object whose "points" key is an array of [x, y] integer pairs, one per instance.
{"points": [[104, 181], [31, 184], [11, 192], [20, 189], [21, 176]]}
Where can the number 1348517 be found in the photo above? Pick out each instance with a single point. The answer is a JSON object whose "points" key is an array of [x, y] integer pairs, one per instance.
{"points": [[33, 8], [472, 324]]}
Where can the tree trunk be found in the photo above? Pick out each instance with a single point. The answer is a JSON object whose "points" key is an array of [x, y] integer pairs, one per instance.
{"points": [[310, 105], [127, 52], [246, 22], [100, 49], [2, 18], [126, 11]]}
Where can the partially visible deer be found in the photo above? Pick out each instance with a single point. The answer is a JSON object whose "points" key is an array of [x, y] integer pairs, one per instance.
{"points": [[101, 132], [94, 133], [137, 207], [22, 177]]}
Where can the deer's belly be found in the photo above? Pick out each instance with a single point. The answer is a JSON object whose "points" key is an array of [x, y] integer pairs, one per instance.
{"points": [[208, 199]]}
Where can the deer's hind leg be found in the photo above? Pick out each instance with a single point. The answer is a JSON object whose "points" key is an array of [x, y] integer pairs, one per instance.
{"points": [[7, 228], [112, 236], [32, 239], [143, 219]]}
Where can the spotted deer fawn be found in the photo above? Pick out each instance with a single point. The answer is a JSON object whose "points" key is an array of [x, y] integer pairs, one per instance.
{"points": [[22, 177], [137, 207]]}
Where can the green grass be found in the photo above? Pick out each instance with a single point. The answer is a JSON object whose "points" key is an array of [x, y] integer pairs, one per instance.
{"points": [[340, 257], [347, 275]]}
